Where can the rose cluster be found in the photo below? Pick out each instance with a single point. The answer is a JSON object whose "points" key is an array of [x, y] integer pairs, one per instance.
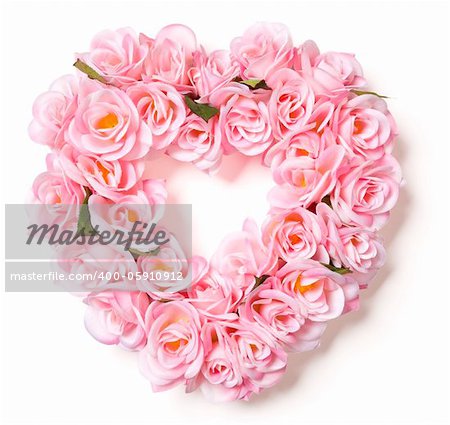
{"points": [[266, 291]]}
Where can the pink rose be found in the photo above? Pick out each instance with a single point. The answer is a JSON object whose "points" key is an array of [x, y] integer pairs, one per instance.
{"points": [[174, 353], [52, 111], [263, 49], [54, 188], [55, 199], [355, 248], [117, 317], [95, 267], [263, 361], [291, 103], [366, 191], [162, 108], [242, 256], [322, 292], [282, 316], [168, 269], [221, 378], [111, 179], [212, 71], [199, 142], [117, 55], [215, 296], [308, 143], [343, 66], [106, 123], [296, 233], [364, 127], [171, 56], [303, 180], [244, 119]]}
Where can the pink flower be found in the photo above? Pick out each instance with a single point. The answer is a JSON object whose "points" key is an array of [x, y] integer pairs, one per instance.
{"points": [[343, 66], [54, 188], [282, 316], [366, 191], [215, 296], [323, 293], [117, 55], [240, 360], [296, 233], [111, 179], [162, 108], [244, 119], [263, 361], [212, 71], [52, 110], [242, 256], [355, 248], [104, 267], [168, 270], [304, 180], [171, 57], [199, 142], [221, 378], [263, 49], [106, 123], [291, 103], [364, 127], [174, 353], [308, 143], [117, 317]]}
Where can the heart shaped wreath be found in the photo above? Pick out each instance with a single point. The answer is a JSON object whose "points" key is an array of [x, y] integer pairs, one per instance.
{"points": [[265, 292]]}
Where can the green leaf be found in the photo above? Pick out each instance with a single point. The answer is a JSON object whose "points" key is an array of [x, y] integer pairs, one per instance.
{"points": [[361, 92], [339, 270], [137, 253], [84, 226], [91, 73], [203, 110], [255, 84]]}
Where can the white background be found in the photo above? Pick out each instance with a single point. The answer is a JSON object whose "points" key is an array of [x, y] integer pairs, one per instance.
{"points": [[387, 363]]}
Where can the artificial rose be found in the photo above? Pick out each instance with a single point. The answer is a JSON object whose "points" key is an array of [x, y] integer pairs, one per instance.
{"points": [[355, 248], [296, 233], [111, 179], [366, 191], [117, 55], [171, 56], [263, 49], [263, 361], [303, 180], [243, 118], [199, 142], [168, 269], [364, 126], [322, 292], [212, 71], [215, 296], [174, 353], [242, 256], [282, 316], [52, 111], [291, 103], [162, 108], [117, 317], [107, 124], [220, 379], [102, 267], [308, 143]]}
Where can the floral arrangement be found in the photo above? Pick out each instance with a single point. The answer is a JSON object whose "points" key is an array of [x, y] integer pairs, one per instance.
{"points": [[267, 291]]}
